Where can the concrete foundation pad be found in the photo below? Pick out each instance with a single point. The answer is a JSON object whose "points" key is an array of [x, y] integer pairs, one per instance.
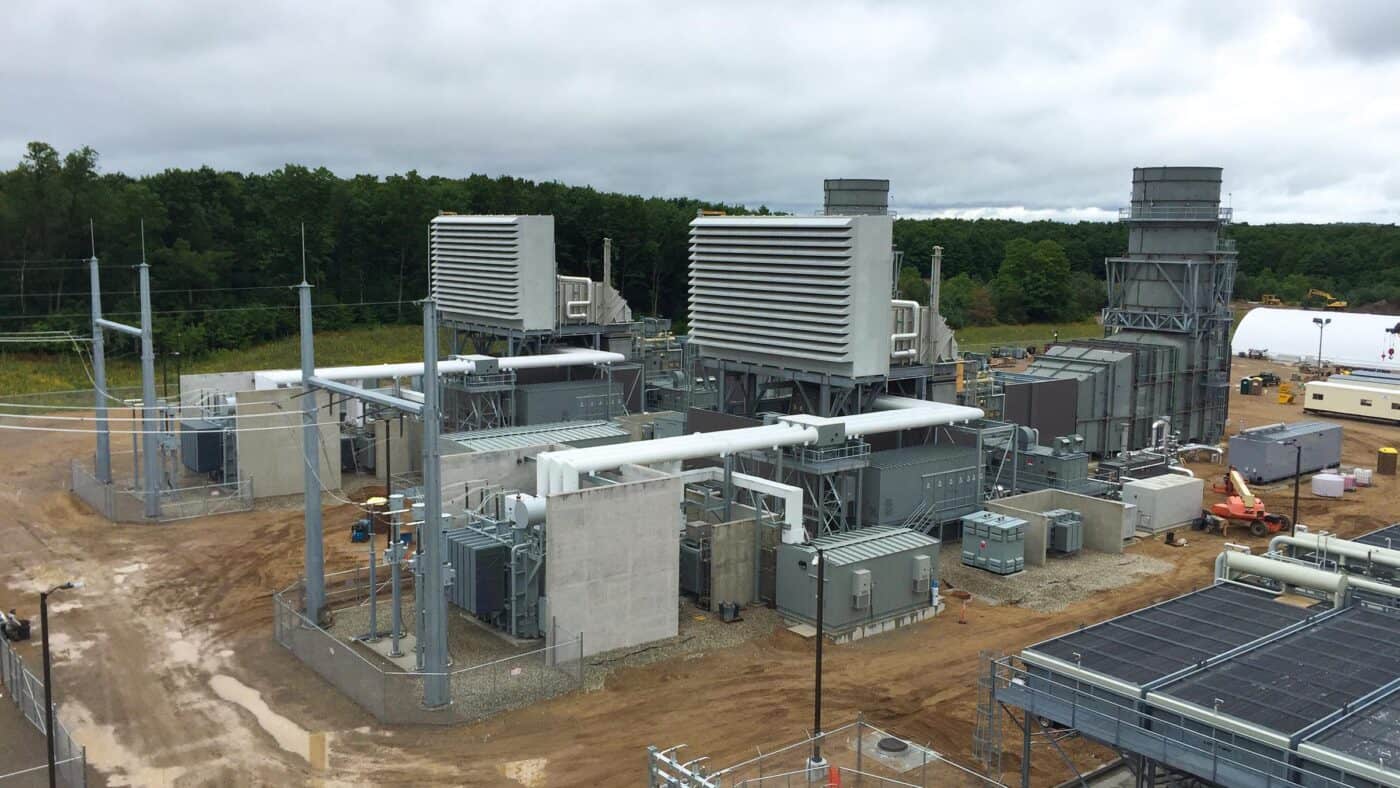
{"points": [[866, 630], [407, 663]]}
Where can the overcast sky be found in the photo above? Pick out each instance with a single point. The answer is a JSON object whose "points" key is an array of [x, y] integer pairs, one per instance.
{"points": [[1025, 110]]}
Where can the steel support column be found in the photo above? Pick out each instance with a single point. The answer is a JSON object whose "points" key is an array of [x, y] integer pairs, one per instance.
{"points": [[102, 462], [149, 421], [434, 634], [313, 558]]}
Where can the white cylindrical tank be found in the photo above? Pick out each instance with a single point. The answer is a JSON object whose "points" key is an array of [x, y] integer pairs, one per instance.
{"points": [[1328, 485], [524, 509]]}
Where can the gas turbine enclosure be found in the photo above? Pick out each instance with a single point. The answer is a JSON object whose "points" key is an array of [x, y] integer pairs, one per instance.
{"points": [[806, 293], [494, 270]]}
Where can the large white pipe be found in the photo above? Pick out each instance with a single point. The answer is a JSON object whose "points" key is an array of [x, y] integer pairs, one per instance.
{"points": [[559, 471], [793, 532], [1332, 545], [572, 357], [1230, 563], [911, 336]]}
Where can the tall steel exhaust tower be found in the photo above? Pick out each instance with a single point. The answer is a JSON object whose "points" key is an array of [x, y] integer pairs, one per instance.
{"points": [[1173, 287]]}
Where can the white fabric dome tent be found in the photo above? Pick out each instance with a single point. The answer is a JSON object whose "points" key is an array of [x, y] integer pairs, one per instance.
{"points": [[1352, 339]]}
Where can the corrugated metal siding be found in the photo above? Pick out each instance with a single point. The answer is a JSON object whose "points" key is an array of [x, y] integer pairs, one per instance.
{"points": [[566, 433], [868, 543]]}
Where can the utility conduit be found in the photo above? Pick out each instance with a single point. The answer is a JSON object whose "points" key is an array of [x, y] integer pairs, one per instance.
{"points": [[571, 357]]}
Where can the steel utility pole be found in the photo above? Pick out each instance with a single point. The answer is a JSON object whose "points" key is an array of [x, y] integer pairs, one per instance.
{"points": [[434, 634], [1297, 478], [102, 463], [149, 422], [310, 437]]}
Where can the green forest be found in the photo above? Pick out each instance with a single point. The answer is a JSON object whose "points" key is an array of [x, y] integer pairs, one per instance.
{"points": [[224, 246]]}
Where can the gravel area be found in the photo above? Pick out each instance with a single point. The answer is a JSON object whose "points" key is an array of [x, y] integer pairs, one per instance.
{"points": [[1050, 588], [699, 631]]}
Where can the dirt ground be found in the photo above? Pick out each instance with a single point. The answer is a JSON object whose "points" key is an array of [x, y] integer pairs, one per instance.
{"points": [[167, 671]]}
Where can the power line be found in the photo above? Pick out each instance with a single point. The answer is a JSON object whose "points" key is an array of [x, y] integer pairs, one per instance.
{"points": [[216, 309], [86, 294]]}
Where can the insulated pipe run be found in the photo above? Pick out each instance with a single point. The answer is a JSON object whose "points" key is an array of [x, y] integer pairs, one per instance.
{"points": [[559, 471], [911, 336], [1161, 443], [1230, 563], [1331, 545], [570, 357], [793, 531]]}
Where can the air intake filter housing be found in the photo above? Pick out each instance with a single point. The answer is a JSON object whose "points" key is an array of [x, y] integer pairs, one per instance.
{"points": [[494, 270], [803, 293]]}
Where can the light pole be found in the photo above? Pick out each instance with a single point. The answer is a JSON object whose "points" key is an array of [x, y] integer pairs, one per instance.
{"points": [[1321, 324], [48, 682], [818, 763], [1297, 477]]}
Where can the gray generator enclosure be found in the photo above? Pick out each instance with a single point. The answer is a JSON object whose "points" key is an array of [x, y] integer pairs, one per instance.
{"points": [[871, 574], [1269, 453], [900, 482]]}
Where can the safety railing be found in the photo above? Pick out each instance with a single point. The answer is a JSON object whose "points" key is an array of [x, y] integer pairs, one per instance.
{"points": [[27, 693], [1175, 213], [1213, 753]]}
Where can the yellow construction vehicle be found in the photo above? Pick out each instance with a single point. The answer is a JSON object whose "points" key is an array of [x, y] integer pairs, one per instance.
{"points": [[1329, 301], [1285, 393], [1269, 299]]}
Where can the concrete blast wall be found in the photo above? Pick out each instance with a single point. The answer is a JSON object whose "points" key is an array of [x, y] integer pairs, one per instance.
{"points": [[272, 458], [1105, 521], [614, 561], [510, 469]]}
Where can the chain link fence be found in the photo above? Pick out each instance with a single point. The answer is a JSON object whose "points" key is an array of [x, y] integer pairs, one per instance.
{"points": [[181, 503], [854, 754], [27, 693], [395, 695]]}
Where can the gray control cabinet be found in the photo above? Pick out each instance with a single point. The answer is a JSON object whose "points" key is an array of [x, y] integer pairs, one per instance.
{"points": [[994, 542]]}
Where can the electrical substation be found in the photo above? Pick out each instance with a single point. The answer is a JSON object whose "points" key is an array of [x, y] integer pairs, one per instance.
{"points": [[559, 484]]}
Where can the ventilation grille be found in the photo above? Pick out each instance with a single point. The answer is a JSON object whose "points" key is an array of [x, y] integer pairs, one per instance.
{"points": [[497, 270], [788, 291]]}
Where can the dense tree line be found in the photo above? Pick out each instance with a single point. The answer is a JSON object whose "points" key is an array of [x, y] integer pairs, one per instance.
{"points": [[230, 242]]}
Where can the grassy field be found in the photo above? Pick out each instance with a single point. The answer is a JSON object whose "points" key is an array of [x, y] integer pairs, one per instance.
{"points": [[981, 338], [33, 373]]}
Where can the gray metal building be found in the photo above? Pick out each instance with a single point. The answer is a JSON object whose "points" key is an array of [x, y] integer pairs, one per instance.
{"points": [[872, 575], [1269, 453]]}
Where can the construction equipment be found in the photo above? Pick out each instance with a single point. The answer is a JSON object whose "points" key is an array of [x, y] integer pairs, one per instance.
{"points": [[1242, 505], [1286, 394], [360, 531], [1269, 299], [1329, 301], [1269, 379]]}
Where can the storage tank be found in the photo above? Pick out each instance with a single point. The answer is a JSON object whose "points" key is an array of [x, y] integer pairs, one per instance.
{"points": [[494, 271], [793, 292]]}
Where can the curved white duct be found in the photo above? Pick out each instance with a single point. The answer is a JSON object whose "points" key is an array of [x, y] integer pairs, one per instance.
{"points": [[912, 336], [573, 357], [1331, 545], [793, 532], [559, 471]]}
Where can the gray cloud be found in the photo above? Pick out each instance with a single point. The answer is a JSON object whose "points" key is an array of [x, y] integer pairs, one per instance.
{"points": [[1028, 110]]}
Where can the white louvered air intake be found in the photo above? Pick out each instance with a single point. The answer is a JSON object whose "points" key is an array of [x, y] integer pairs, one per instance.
{"points": [[807, 293], [494, 270]]}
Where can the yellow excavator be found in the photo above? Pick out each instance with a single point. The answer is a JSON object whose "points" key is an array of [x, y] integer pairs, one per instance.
{"points": [[1329, 301]]}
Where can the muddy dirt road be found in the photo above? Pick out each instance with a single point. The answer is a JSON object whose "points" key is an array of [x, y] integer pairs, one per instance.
{"points": [[166, 668]]}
